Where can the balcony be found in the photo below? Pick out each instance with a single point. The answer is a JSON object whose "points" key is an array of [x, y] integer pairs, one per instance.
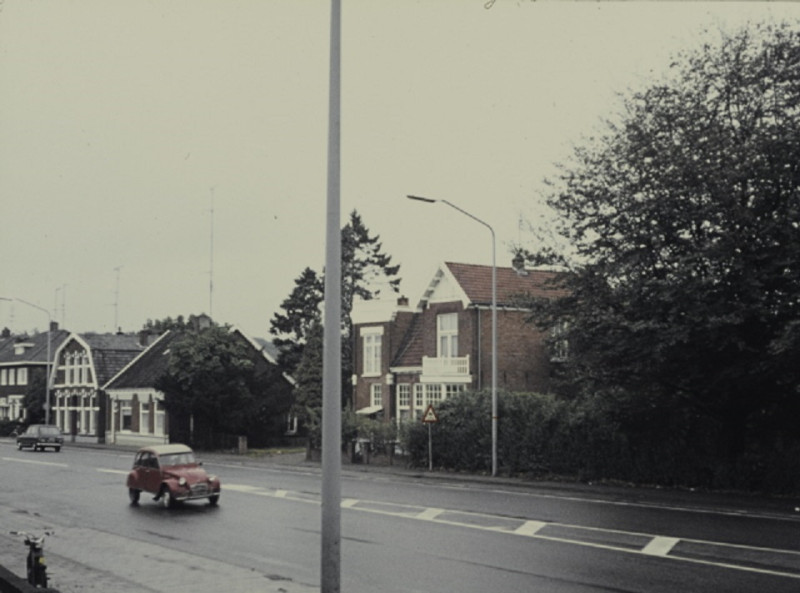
{"points": [[443, 370]]}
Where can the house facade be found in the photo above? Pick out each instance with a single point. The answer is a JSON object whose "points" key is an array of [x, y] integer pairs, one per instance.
{"points": [[23, 363], [408, 358], [83, 364], [135, 410]]}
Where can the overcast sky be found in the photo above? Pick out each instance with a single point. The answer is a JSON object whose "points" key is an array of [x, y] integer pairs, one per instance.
{"points": [[122, 122]]}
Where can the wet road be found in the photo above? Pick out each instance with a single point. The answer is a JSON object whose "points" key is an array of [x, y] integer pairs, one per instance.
{"points": [[401, 532]]}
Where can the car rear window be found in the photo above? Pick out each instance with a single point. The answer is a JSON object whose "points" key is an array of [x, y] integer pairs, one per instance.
{"points": [[176, 459], [49, 431]]}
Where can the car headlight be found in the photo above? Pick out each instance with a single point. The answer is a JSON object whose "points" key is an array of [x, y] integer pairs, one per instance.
{"points": [[212, 478], [182, 481]]}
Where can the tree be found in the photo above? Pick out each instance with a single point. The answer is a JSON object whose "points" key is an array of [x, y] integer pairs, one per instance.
{"points": [[219, 381], [302, 312], [685, 216], [367, 273], [308, 386]]}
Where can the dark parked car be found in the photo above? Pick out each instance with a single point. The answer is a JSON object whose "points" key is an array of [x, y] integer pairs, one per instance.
{"points": [[41, 436], [172, 474]]}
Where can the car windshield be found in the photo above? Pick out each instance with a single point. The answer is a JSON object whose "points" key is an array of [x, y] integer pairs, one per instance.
{"points": [[176, 459]]}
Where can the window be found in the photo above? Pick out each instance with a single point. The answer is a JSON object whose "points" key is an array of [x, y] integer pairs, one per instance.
{"points": [[22, 376], [126, 416], [403, 395], [433, 394], [419, 397], [375, 392], [372, 338], [447, 335], [453, 389], [12, 376], [159, 424], [4, 377]]}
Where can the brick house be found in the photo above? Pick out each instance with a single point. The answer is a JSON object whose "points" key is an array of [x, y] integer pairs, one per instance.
{"points": [[83, 364], [23, 362], [406, 359]]}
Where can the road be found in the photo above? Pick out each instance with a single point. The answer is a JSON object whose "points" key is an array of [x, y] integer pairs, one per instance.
{"points": [[401, 532]]}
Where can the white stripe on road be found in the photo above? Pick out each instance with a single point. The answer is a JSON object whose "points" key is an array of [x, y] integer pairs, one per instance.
{"points": [[529, 528], [114, 471], [51, 463], [660, 546]]}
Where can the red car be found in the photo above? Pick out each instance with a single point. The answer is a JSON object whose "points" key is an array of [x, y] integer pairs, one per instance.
{"points": [[172, 474]]}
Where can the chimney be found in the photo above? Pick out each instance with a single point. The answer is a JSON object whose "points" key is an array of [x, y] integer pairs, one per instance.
{"points": [[402, 301], [54, 326], [518, 263]]}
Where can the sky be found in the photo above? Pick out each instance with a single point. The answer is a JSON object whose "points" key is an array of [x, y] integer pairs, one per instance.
{"points": [[162, 158]]}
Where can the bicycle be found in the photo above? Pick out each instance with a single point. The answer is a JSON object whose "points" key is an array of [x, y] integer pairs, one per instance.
{"points": [[37, 568]]}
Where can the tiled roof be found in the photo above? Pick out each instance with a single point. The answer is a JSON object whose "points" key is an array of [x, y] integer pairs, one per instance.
{"points": [[476, 282], [111, 352], [148, 366], [37, 352]]}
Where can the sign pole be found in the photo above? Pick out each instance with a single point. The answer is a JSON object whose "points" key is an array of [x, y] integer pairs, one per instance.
{"points": [[430, 448]]}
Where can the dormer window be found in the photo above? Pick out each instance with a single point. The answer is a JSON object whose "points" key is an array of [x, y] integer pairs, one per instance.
{"points": [[21, 347]]}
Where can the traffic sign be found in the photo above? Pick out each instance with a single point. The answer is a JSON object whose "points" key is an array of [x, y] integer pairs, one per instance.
{"points": [[430, 415]]}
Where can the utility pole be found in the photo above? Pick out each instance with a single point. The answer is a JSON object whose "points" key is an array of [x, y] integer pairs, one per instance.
{"points": [[330, 569]]}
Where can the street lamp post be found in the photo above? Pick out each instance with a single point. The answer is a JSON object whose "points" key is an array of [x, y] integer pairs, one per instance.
{"points": [[494, 319], [48, 362]]}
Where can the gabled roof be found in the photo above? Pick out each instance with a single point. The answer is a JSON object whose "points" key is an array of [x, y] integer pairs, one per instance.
{"points": [[37, 352], [108, 353], [476, 283], [410, 352], [147, 367]]}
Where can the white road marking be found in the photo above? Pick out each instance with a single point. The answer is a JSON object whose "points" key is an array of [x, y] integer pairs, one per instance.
{"points": [[430, 514], [31, 461], [660, 546], [529, 528], [113, 471]]}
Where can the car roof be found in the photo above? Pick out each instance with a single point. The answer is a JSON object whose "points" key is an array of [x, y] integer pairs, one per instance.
{"points": [[167, 449]]}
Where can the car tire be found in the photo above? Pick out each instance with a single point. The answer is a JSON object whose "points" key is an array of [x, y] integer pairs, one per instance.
{"points": [[166, 498], [133, 494], [213, 500], [19, 446], [58, 449]]}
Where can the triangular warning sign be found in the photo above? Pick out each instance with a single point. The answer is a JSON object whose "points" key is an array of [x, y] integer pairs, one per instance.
{"points": [[430, 415]]}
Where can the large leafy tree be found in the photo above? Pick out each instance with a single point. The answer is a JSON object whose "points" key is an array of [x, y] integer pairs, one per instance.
{"points": [[685, 217], [219, 381]]}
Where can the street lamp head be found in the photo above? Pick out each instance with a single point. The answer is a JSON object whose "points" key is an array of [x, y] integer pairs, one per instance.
{"points": [[422, 199]]}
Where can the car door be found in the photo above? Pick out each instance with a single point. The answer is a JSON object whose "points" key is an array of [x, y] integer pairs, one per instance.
{"points": [[151, 472]]}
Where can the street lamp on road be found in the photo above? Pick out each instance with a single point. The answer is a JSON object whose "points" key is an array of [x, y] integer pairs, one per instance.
{"points": [[47, 364], [494, 319]]}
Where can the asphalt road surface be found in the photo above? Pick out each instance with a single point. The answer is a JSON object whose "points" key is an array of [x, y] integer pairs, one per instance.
{"points": [[402, 531]]}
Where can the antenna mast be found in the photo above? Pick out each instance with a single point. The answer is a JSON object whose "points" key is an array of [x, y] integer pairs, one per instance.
{"points": [[116, 301], [211, 262]]}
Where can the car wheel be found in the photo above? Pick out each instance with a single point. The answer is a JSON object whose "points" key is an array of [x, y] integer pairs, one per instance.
{"points": [[213, 500], [58, 449], [19, 446], [133, 494], [166, 498]]}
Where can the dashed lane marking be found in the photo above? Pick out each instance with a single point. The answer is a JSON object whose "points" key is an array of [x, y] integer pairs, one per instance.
{"points": [[660, 546], [770, 561], [113, 471], [33, 462]]}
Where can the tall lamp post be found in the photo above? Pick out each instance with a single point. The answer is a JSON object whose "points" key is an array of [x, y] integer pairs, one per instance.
{"points": [[47, 364], [494, 319]]}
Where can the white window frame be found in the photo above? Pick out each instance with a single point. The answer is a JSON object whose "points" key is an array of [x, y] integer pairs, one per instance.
{"points": [[376, 394], [22, 376], [447, 335], [372, 338]]}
